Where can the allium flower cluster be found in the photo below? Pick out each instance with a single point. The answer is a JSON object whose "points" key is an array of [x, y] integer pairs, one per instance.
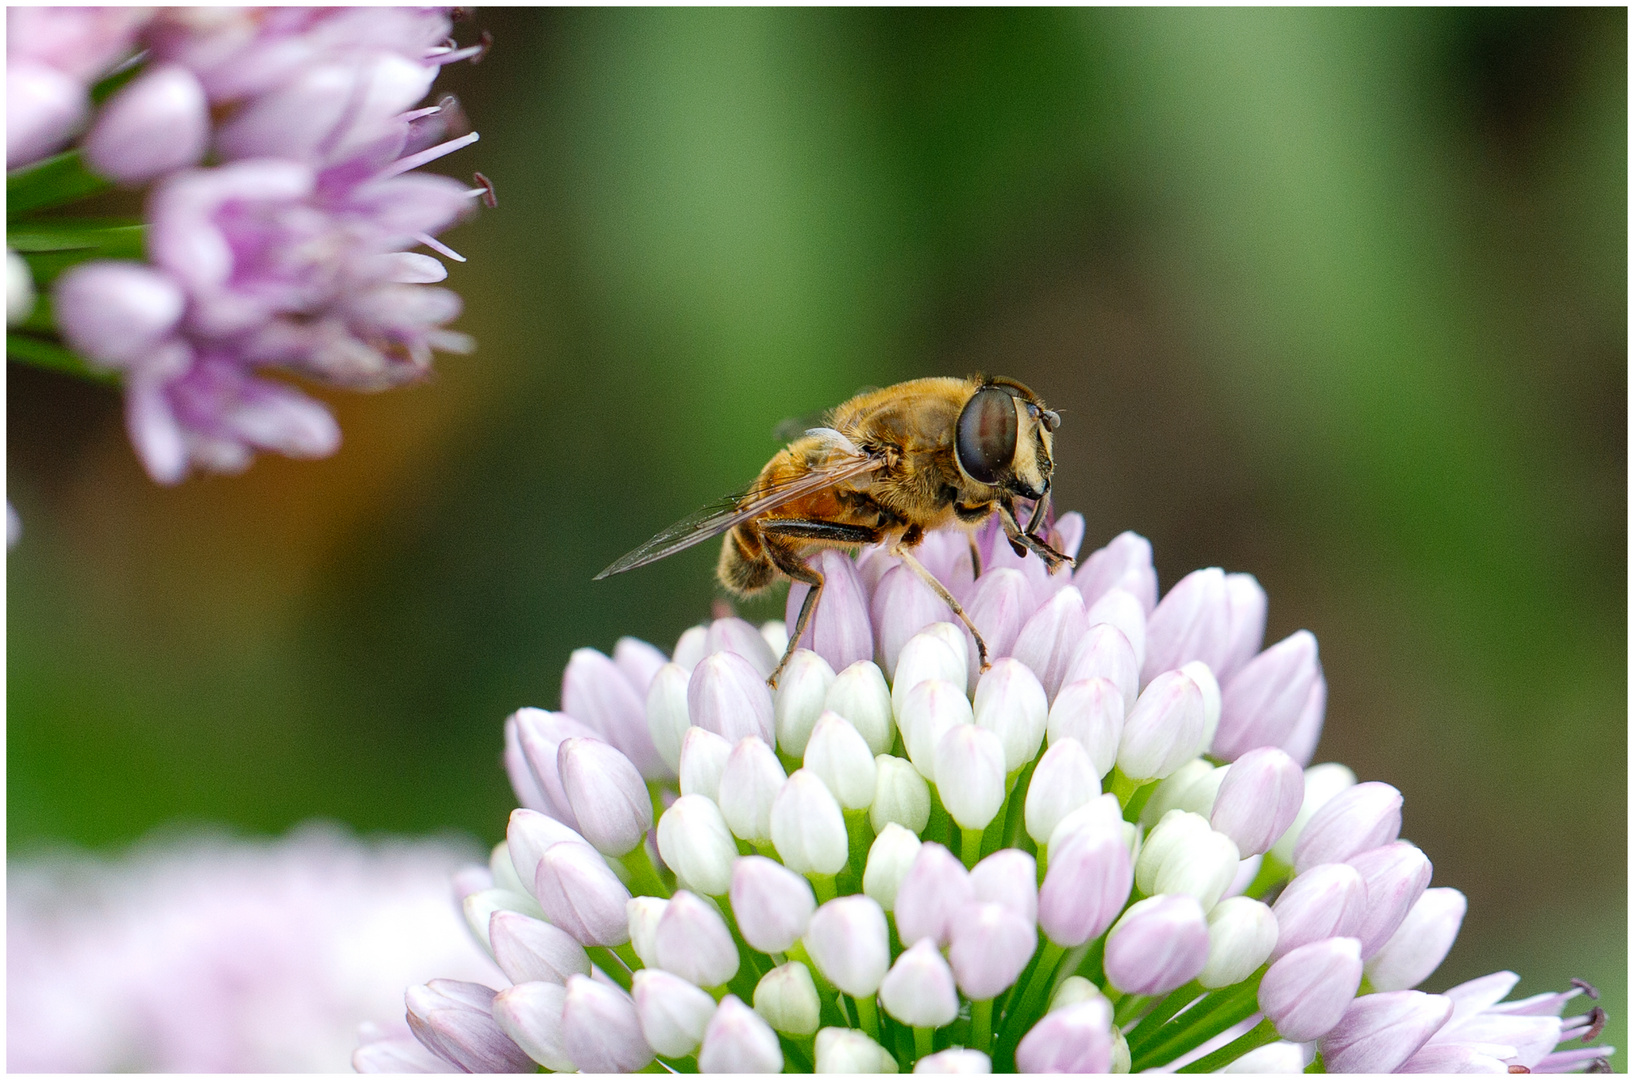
{"points": [[1106, 852], [280, 145], [202, 953]]}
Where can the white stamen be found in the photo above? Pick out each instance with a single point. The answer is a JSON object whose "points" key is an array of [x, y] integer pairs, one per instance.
{"points": [[439, 247], [414, 161]]}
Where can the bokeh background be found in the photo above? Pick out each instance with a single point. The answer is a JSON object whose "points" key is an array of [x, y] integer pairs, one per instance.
{"points": [[1335, 297]]}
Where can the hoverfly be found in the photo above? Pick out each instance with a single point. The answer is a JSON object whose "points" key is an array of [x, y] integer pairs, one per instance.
{"points": [[886, 467]]}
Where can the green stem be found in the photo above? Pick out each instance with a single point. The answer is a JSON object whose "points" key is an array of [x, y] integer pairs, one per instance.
{"points": [[610, 963], [981, 1025], [970, 848], [1128, 1009], [1213, 1015], [52, 182], [859, 834], [1019, 1018], [937, 827], [1259, 1035], [1272, 872], [924, 1041], [1317, 1065], [1016, 818], [867, 1015], [644, 879], [823, 885], [1123, 787], [1165, 1010], [681, 1065]]}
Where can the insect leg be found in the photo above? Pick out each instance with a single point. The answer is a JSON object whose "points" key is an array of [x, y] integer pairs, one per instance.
{"points": [[975, 555], [1013, 530], [941, 590], [789, 561]]}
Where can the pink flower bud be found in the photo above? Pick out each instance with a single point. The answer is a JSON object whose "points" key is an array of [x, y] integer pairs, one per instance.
{"points": [[860, 695], [1420, 943], [667, 718], [799, 699], [672, 1011], [772, 903], [43, 106], [1259, 797], [919, 990], [902, 606], [639, 662], [990, 946], [528, 950], [889, 859], [1089, 711], [1301, 745], [1050, 637], [925, 657], [956, 1060], [531, 1014], [1076, 1039], [155, 124], [840, 631], [848, 941], [749, 784], [1000, 602], [1085, 886], [842, 1050], [1379, 1032], [739, 1041], [840, 757], [1063, 780], [691, 647], [936, 887], [1159, 944], [738, 636], [694, 841], [1164, 730], [970, 775], [601, 1030], [581, 895], [1125, 563], [528, 836], [1356, 820], [729, 697], [1261, 703], [1306, 992], [703, 760], [1245, 602], [693, 942], [928, 712], [1011, 704], [1192, 622], [606, 794], [1322, 783], [1009, 876], [1106, 652], [116, 312], [596, 693], [807, 826], [1396, 875], [455, 1021], [1325, 901]]}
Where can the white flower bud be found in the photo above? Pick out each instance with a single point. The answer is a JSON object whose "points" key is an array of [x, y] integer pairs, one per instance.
{"points": [[842, 1050], [693, 942], [703, 759], [970, 771], [1241, 935], [504, 871], [772, 903], [667, 718], [1420, 943], [1073, 989], [480, 906], [926, 656], [1203, 676], [919, 990], [955, 1060], [691, 647], [786, 998], [848, 941], [860, 695], [641, 915], [1009, 877], [1165, 728], [892, 853], [1119, 609], [1175, 792], [1091, 711], [808, 829], [531, 1014], [673, 1012], [749, 782], [900, 795], [606, 793], [776, 634], [1064, 780], [927, 712], [739, 1041], [840, 757], [694, 841], [1322, 783], [1010, 703], [801, 691], [1184, 856]]}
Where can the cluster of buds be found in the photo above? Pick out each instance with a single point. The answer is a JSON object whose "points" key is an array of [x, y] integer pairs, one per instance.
{"points": [[280, 145], [1106, 852]]}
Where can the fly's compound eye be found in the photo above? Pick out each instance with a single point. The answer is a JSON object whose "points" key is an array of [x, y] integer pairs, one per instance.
{"points": [[987, 434]]}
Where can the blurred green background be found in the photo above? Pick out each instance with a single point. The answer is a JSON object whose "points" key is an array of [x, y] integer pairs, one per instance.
{"points": [[1335, 297]]}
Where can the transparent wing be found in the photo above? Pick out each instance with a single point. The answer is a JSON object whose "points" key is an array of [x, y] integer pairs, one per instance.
{"points": [[844, 462]]}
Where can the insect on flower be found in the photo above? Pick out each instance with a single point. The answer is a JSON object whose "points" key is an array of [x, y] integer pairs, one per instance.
{"points": [[886, 467]]}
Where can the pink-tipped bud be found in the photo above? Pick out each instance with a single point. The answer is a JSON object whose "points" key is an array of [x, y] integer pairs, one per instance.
{"points": [[692, 941], [1159, 944], [848, 941], [1420, 943], [1164, 730], [1125, 563], [1301, 744], [1261, 703], [539, 734], [1245, 624], [840, 631], [694, 841], [157, 123], [728, 696], [772, 903], [935, 888], [750, 782], [929, 711], [601, 1028], [1192, 622], [531, 1014], [1064, 779], [1117, 610], [919, 990], [528, 950], [116, 312], [1090, 711], [1325, 901], [924, 658], [1356, 820], [528, 836], [581, 895], [1396, 875], [799, 699], [860, 695], [1379, 1032], [1259, 797], [606, 795], [990, 946], [1009, 876], [672, 1011], [999, 604], [739, 636], [970, 775], [902, 606], [1105, 652], [808, 827], [703, 760], [1050, 637], [840, 757], [889, 859], [1306, 992], [596, 693], [739, 1041], [957, 1061], [1085, 886], [455, 1021], [1076, 1039]]}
